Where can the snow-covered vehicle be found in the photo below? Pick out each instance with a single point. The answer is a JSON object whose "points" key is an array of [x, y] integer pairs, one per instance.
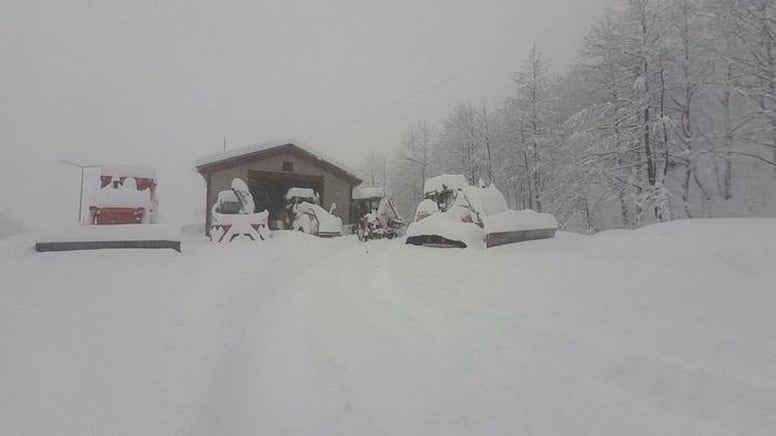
{"points": [[378, 217], [455, 214], [234, 217], [127, 195], [308, 217], [123, 214]]}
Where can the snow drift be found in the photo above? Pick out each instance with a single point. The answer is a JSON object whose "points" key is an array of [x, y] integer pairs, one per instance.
{"points": [[664, 330]]}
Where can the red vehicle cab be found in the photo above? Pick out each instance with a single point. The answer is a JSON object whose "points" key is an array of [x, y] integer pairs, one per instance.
{"points": [[127, 195]]}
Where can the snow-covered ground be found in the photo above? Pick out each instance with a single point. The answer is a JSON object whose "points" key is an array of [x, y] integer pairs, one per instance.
{"points": [[665, 330]]}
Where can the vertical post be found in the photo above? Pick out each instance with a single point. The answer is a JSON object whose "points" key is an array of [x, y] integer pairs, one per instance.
{"points": [[81, 197], [81, 191]]}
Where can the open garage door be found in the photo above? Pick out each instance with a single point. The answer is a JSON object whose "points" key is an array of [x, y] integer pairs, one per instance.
{"points": [[268, 189]]}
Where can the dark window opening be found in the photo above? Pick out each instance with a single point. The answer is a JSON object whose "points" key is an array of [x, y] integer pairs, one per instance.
{"points": [[288, 166]]}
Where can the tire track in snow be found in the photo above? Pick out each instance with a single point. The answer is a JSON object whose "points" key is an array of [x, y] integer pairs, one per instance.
{"points": [[255, 313], [401, 374]]}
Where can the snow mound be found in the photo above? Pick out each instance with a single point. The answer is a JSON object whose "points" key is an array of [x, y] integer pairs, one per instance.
{"points": [[323, 223], [665, 330], [448, 226], [492, 200], [484, 201], [425, 208], [122, 197]]}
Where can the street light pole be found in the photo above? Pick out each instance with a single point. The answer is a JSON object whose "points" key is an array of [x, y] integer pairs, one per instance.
{"points": [[81, 193]]}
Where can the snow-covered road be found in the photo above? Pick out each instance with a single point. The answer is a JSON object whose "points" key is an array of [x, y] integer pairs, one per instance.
{"points": [[665, 330]]}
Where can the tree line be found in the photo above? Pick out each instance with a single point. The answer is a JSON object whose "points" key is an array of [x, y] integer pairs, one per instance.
{"points": [[668, 112]]}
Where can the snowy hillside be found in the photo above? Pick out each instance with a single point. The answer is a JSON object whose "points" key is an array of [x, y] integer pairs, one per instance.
{"points": [[664, 330]]}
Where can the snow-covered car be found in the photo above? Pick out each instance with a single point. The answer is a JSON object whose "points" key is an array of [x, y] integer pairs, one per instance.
{"points": [[309, 217], [455, 214], [233, 216], [315, 220]]}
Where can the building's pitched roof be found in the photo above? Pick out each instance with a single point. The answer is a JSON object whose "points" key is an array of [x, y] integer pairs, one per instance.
{"points": [[265, 147]]}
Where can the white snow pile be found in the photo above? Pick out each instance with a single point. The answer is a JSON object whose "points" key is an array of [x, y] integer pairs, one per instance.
{"points": [[483, 201], [426, 207], [323, 221], [439, 184], [666, 330], [368, 192], [449, 226], [125, 196], [518, 220]]}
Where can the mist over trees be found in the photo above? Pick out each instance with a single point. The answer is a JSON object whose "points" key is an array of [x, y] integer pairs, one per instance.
{"points": [[669, 112]]}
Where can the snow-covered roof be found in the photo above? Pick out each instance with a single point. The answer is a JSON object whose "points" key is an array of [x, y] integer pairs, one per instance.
{"points": [[368, 192], [444, 182], [124, 170], [266, 146], [300, 193]]}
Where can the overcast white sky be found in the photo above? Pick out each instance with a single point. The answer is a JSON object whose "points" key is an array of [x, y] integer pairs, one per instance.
{"points": [[162, 82]]}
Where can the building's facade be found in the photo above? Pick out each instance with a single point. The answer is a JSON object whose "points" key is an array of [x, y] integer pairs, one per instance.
{"points": [[270, 169]]}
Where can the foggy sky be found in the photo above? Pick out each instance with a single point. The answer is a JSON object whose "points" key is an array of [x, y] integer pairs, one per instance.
{"points": [[162, 83]]}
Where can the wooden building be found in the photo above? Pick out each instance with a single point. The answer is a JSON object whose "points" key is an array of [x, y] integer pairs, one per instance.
{"points": [[270, 169]]}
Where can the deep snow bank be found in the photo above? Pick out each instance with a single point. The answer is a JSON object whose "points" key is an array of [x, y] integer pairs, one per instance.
{"points": [[663, 330]]}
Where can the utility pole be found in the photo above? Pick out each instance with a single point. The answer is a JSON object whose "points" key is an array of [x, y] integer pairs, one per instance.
{"points": [[81, 193]]}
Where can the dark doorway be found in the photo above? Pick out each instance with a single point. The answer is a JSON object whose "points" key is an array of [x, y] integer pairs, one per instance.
{"points": [[269, 188]]}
